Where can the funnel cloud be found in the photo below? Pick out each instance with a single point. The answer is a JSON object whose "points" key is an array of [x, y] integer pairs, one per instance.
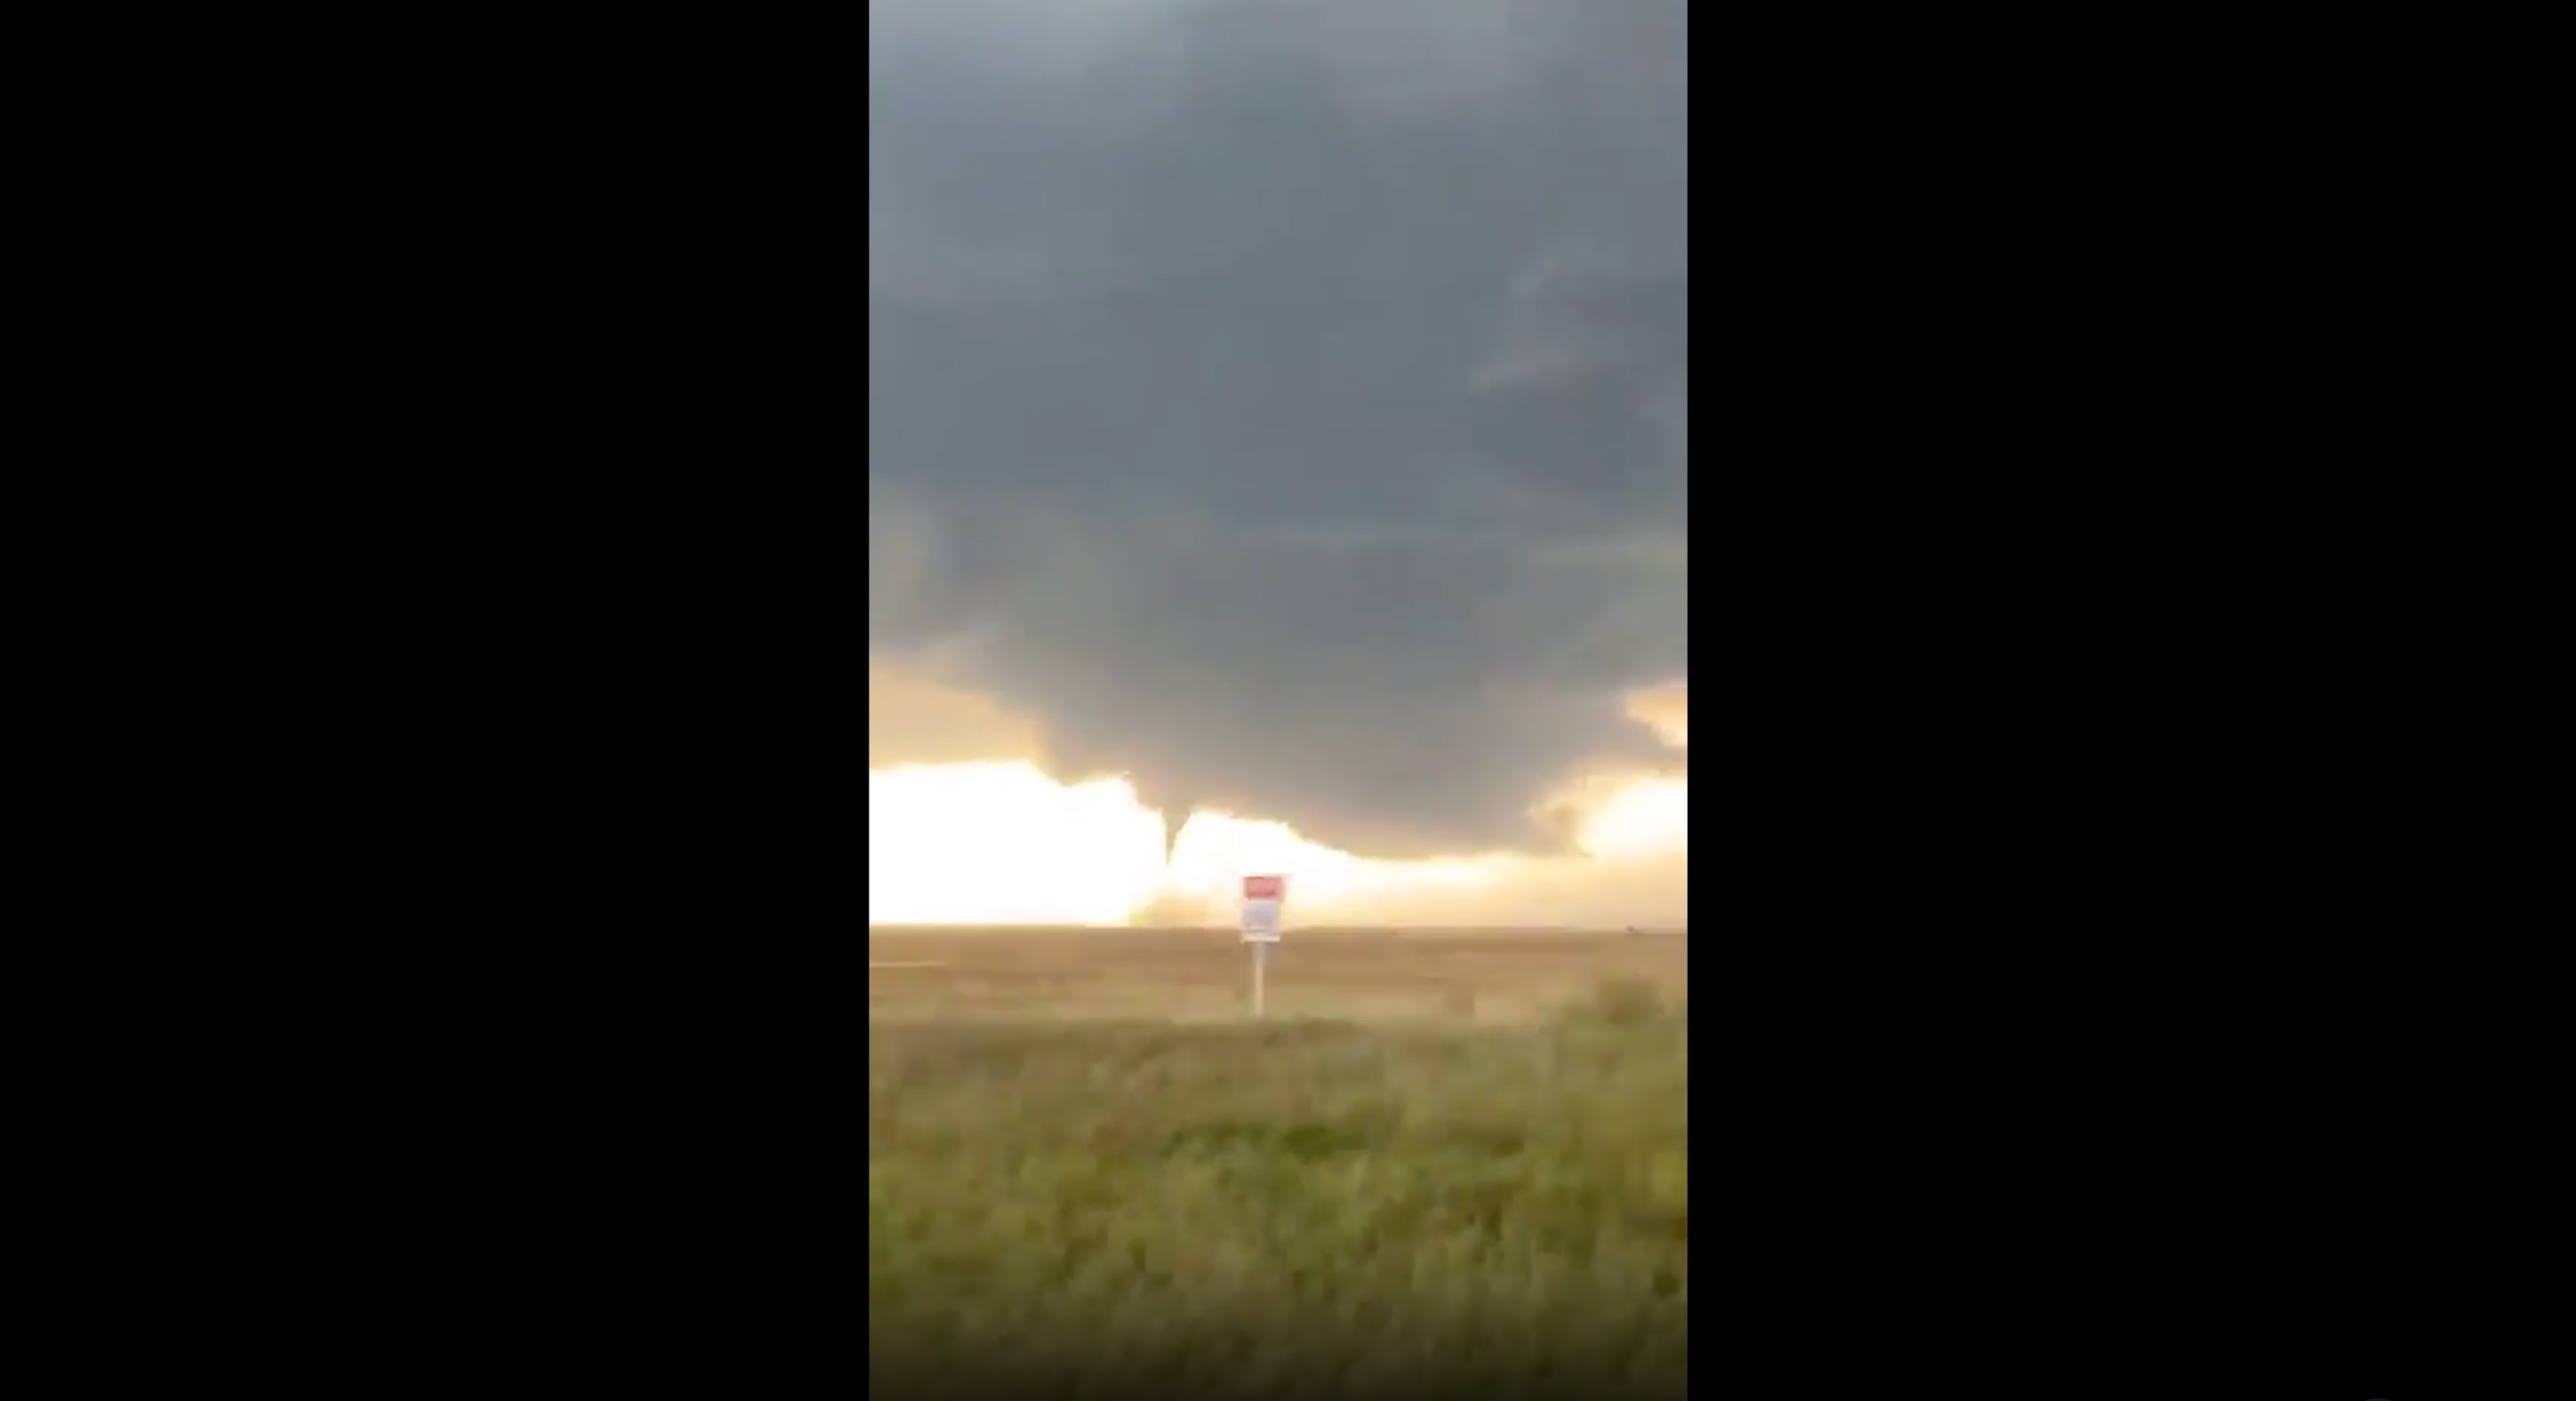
{"points": [[1284, 403]]}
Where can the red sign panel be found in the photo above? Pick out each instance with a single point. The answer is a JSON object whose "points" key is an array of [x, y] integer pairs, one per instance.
{"points": [[1265, 887]]}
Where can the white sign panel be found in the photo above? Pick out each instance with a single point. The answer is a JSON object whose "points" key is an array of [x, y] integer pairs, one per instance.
{"points": [[1262, 898]]}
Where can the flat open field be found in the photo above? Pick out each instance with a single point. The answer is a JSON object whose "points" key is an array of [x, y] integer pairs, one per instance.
{"points": [[1205, 974], [1418, 1197]]}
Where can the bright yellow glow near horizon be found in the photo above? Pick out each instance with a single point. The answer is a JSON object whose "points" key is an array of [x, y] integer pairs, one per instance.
{"points": [[1645, 818], [1006, 844]]}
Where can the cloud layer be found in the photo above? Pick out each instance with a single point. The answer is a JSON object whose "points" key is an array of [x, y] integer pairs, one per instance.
{"points": [[1284, 402]]}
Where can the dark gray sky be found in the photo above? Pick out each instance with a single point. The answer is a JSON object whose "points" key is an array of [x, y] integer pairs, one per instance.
{"points": [[1284, 402]]}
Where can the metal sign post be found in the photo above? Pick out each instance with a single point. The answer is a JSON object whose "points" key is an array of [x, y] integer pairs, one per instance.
{"points": [[1262, 898]]}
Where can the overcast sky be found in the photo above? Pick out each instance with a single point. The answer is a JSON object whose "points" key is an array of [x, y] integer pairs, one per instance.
{"points": [[1283, 402]]}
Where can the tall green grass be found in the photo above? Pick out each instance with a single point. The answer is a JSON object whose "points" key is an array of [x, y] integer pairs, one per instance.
{"points": [[1281, 1210]]}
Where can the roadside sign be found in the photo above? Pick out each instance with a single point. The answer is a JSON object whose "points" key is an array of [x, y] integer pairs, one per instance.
{"points": [[1262, 898]]}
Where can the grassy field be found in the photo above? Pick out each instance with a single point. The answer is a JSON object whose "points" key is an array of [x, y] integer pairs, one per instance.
{"points": [[1455, 1163]]}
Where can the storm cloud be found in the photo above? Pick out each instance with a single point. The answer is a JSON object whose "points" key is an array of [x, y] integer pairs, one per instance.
{"points": [[1285, 403]]}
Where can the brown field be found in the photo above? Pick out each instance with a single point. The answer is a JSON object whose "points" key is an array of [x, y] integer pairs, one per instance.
{"points": [[1454, 975]]}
